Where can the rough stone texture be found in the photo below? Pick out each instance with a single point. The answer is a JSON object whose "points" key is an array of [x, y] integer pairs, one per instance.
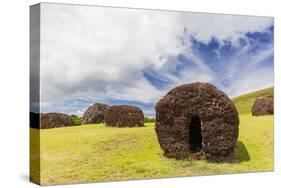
{"points": [[52, 120], [263, 106], [95, 113], [191, 109], [124, 116]]}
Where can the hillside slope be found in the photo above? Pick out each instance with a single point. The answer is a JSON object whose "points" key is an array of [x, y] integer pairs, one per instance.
{"points": [[244, 102]]}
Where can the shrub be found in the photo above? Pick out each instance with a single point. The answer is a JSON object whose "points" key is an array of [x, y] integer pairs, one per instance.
{"points": [[149, 120], [76, 120]]}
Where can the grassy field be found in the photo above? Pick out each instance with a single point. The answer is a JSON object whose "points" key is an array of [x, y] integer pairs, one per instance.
{"points": [[244, 102], [90, 153]]}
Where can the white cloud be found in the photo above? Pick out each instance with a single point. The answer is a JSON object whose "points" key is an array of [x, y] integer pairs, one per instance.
{"points": [[97, 52], [204, 27], [252, 82], [252, 74], [142, 91], [84, 43]]}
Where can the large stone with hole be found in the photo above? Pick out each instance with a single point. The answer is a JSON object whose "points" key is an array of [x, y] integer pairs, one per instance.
{"points": [[263, 106], [95, 113], [53, 120], [124, 116], [196, 120]]}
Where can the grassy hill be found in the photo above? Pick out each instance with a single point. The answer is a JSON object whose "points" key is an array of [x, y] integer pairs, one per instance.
{"points": [[244, 102], [90, 153]]}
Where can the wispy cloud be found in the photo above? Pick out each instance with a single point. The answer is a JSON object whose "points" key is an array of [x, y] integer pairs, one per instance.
{"points": [[95, 54]]}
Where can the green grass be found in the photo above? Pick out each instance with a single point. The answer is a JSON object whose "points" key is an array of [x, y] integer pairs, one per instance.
{"points": [[90, 153], [244, 102]]}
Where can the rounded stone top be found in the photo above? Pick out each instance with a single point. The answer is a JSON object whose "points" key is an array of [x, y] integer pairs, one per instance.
{"points": [[124, 116], [95, 113], [263, 106], [54, 119], [199, 119]]}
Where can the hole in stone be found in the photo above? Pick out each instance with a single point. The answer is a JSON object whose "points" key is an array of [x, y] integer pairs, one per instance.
{"points": [[195, 137]]}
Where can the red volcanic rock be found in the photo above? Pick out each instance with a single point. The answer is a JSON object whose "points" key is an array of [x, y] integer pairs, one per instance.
{"points": [[95, 113], [263, 106], [197, 120], [124, 116], [53, 120]]}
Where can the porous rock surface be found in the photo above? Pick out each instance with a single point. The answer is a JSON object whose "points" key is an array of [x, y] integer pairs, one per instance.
{"points": [[53, 120], [95, 113], [263, 106], [198, 120], [124, 116]]}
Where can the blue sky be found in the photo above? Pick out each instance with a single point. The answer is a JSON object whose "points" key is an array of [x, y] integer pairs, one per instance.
{"points": [[130, 56]]}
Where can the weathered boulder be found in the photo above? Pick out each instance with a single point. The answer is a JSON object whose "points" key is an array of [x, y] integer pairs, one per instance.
{"points": [[263, 106], [95, 113], [53, 120], [196, 120], [124, 116]]}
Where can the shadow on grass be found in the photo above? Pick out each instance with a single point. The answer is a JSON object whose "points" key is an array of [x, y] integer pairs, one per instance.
{"points": [[240, 154]]}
